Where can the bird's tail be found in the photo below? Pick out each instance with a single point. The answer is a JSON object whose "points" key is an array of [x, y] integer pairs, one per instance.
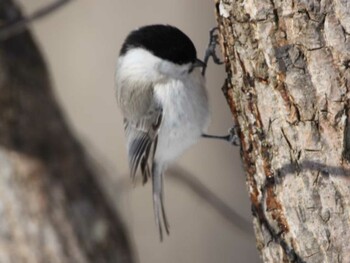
{"points": [[158, 199]]}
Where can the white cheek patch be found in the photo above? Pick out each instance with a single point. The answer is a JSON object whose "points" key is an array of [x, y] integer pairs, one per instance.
{"points": [[141, 64], [173, 70]]}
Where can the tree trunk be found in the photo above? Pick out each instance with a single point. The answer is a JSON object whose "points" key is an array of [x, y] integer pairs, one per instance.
{"points": [[288, 66], [52, 208]]}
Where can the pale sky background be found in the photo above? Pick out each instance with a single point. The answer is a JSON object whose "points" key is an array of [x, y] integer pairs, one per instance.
{"points": [[81, 43]]}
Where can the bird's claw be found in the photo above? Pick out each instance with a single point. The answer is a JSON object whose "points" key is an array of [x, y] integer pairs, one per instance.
{"points": [[213, 41], [211, 49], [233, 137]]}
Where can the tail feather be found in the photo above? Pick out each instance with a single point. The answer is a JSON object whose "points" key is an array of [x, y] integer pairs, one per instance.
{"points": [[158, 200]]}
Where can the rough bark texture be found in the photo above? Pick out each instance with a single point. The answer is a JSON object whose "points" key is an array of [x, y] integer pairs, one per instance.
{"points": [[52, 208], [288, 65]]}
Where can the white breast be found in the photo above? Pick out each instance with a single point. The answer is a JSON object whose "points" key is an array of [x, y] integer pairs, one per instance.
{"points": [[185, 115]]}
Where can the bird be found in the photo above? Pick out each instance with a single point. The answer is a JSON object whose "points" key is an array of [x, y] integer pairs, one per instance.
{"points": [[161, 93]]}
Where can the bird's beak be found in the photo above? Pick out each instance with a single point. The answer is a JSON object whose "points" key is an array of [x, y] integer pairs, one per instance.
{"points": [[199, 63]]}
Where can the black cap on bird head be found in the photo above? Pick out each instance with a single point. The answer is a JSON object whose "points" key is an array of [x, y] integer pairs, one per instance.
{"points": [[164, 41]]}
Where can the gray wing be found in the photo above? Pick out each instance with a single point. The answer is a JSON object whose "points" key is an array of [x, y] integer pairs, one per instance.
{"points": [[141, 137]]}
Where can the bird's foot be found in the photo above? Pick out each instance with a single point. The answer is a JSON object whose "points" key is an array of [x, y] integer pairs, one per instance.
{"points": [[232, 137], [211, 49]]}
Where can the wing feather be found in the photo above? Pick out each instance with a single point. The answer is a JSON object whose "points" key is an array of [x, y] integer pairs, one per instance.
{"points": [[141, 136]]}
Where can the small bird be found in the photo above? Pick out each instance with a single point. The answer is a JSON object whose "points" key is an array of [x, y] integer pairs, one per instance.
{"points": [[161, 93]]}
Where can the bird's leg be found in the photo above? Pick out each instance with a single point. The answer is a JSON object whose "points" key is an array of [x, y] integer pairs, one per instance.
{"points": [[211, 52], [158, 200], [232, 137], [211, 49]]}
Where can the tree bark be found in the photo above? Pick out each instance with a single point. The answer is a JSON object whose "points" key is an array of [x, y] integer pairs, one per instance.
{"points": [[52, 208], [288, 66]]}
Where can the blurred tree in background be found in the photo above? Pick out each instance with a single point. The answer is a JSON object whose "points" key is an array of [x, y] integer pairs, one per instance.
{"points": [[52, 208]]}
